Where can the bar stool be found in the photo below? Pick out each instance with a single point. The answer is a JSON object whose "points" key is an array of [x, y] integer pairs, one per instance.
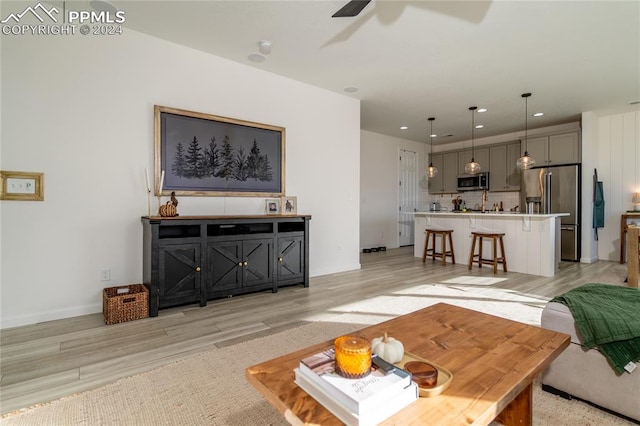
{"points": [[444, 233], [478, 257]]}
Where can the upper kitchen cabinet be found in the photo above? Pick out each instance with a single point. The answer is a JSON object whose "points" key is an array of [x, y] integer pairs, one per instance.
{"points": [[446, 181], [554, 150], [504, 175], [481, 155]]}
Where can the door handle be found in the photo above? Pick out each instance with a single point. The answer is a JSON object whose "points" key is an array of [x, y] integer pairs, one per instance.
{"points": [[197, 269], [565, 228], [245, 263]]}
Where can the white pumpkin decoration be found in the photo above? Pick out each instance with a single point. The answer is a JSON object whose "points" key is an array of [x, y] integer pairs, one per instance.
{"points": [[387, 348]]}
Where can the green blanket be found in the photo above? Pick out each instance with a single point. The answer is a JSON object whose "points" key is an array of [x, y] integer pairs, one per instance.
{"points": [[608, 317]]}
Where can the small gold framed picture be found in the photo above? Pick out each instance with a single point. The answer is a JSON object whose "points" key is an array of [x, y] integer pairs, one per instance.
{"points": [[22, 186], [289, 205], [272, 206]]}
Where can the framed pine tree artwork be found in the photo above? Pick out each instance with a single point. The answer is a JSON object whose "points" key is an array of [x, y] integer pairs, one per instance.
{"points": [[201, 154]]}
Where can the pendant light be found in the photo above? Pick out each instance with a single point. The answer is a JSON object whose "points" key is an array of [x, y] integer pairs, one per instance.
{"points": [[526, 161], [432, 171], [472, 167]]}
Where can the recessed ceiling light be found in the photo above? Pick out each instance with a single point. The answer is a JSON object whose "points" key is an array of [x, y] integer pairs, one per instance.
{"points": [[403, 127], [479, 126], [538, 114], [256, 57], [350, 89], [482, 110]]}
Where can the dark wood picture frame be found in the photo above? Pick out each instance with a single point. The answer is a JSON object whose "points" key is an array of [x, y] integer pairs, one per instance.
{"points": [[208, 155]]}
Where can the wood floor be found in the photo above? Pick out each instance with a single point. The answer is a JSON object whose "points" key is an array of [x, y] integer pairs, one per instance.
{"points": [[50, 360]]}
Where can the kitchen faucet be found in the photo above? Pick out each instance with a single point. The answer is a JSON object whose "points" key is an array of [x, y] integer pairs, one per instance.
{"points": [[484, 199]]}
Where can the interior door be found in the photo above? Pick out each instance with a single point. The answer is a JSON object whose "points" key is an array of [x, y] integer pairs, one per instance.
{"points": [[407, 196]]}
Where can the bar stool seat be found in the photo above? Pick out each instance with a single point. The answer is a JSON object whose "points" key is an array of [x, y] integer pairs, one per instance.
{"points": [[445, 234], [477, 258]]}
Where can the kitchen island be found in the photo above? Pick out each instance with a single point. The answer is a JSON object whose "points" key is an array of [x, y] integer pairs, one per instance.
{"points": [[531, 241]]}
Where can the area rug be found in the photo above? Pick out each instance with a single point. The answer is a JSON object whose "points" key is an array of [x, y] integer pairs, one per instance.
{"points": [[210, 388]]}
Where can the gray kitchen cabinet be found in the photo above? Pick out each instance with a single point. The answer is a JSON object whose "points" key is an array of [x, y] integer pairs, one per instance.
{"points": [[481, 155], [446, 182], [564, 148], [504, 175], [554, 150]]}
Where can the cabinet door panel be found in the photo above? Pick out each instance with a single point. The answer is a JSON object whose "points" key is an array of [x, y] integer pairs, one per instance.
{"points": [[480, 155], [179, 278], [538, 149], [564, 149], [290, 253], [450, 172], [513, 172], [435, 183], [224, 263], [258, 256], [497, 171]]}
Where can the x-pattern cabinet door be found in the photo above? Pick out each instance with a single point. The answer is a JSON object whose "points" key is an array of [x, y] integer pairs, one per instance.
{"points": [[290, 261], [179, 272], [234, 264]]}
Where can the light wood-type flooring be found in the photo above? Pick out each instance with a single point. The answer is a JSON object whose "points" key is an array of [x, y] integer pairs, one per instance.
{"points": [[46, 361]]}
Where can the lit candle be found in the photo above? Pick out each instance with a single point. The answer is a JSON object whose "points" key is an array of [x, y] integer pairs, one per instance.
{"points": [[146, 176], [161, 183]]}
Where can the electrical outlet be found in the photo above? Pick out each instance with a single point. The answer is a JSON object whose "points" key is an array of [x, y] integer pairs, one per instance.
{"points": [[105, 274]]}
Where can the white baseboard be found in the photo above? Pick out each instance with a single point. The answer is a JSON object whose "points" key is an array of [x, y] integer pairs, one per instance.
{"points": [[20, 320]]}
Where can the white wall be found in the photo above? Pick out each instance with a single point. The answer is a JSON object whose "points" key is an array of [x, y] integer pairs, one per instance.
{"points": [[379, 158], [615, 141], [80, 109]]}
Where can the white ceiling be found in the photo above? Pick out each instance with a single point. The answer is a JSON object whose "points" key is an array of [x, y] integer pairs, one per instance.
{"points": [[416, 59]]}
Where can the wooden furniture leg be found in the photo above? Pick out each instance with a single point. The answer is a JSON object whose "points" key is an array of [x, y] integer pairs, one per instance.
{"points": [[633, 240], [519, 411]]}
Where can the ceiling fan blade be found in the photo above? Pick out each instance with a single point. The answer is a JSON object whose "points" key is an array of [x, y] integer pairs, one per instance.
{"points": [[351, 9]]}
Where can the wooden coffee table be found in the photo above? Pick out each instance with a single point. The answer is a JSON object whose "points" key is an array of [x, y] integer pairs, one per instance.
{"points": [[494, 362]]}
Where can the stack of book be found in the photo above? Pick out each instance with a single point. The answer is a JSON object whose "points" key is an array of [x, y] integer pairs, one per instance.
{"points": [[359, 402]]}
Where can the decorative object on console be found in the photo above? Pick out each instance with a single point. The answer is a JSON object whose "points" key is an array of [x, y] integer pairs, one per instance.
{"points": [[289, 205], [526, 161], [209, 155], [432, 171], [170, 209], [272, 206], [472, 167], [636, 201], [21, 186]]}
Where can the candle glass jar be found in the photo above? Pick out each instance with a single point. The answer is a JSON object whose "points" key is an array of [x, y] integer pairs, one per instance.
{"points": [[353, 356]]}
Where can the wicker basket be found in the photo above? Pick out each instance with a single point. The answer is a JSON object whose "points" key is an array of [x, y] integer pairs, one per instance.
{"points": [[125, 303]]}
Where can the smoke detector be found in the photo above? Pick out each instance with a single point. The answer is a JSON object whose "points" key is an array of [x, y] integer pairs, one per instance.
{"points": [[265, 47]]}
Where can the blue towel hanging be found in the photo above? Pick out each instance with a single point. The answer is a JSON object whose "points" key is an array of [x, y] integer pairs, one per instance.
{"points": [[598, 203]]}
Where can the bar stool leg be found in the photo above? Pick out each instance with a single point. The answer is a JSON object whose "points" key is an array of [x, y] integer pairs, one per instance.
{"points": [[426, 246], [495, 255], [504, 256], [453, 255], [444, 250], [480, 253], [433, 246], [473, 250]]}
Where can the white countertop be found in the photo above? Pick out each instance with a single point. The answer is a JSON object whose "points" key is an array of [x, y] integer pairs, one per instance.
{"points": [[488, 213]]}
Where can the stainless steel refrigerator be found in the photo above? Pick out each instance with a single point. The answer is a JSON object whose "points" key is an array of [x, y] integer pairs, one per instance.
{"points": [[555, 189]]}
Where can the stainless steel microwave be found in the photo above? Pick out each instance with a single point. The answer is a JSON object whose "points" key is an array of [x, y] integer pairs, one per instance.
{"points": [[478, 182]]}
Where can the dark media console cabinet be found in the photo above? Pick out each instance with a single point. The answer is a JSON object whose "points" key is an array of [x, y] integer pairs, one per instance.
{"points": [[189, 259]]}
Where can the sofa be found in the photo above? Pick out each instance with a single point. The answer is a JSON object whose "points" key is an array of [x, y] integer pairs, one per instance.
{"points": [[586, 374]]}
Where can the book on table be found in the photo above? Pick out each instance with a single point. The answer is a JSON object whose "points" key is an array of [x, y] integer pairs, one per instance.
{"points": [[368, 417], [356, 395]]}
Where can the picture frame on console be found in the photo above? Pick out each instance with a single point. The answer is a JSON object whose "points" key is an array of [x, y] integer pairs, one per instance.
{"points": [[272, 206], [209, 155], [289, 205]]}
